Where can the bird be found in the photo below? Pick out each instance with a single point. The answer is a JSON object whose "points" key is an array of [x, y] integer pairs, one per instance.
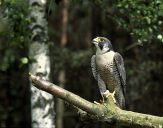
{"points": [[109, 71]]}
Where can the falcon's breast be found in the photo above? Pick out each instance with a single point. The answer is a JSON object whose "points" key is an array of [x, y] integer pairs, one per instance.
{"points": [[107, 70]]}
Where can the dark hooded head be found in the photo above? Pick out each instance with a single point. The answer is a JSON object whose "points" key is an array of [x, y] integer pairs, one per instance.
{"points": [[102, 44]]}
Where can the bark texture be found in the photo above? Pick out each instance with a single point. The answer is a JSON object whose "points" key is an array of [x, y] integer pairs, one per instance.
{"points": [[42, 104], [62, 73], [107, 112]]}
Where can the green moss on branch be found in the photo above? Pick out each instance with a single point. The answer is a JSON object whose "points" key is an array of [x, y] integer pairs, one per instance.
{"points": [[107, 112]]}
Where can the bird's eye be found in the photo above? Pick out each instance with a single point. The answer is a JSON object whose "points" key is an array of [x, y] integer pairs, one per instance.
{"points": [[101, 40], [98, 40]]}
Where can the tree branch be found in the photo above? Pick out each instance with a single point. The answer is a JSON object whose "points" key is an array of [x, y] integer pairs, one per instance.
{"points": [[67, 96], [107, 112]]}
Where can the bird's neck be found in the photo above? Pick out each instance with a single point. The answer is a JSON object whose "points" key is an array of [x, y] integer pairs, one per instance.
{"points": [[103, 52]]}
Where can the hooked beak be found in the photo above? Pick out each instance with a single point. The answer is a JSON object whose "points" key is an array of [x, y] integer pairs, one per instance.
{"points": [[96, 40]]}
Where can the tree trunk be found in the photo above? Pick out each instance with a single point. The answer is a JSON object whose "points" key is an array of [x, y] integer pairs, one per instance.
{"points": [[42, 104], [62, 73]]}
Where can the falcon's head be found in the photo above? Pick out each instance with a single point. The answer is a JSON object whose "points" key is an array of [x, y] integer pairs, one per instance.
{"points": [[102, 44]]}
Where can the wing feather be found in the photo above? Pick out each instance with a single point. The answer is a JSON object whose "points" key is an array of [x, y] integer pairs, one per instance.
{"points": [[94, 68], [121, 70]]}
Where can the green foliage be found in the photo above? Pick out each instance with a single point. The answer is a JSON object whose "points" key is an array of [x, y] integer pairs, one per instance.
{"points": [[16, 35], [144, 69], [4, 27], [143, 19]]}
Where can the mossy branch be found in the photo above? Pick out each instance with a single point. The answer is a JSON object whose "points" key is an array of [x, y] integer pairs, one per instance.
{"points": [[107, 112]]}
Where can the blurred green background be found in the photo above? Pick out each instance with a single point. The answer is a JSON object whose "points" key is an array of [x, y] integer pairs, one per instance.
{"points": [[134, 27]]}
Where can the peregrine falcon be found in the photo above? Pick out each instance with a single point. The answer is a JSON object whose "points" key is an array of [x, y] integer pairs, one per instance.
{"points": [[108, 69]]}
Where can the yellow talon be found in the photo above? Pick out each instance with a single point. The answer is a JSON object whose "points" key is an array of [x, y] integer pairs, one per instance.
{"points": [[96, 103], [107, 94]]}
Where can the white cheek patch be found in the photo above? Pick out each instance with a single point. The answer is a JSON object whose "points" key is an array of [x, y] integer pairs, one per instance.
{"points": [[105, 48]]}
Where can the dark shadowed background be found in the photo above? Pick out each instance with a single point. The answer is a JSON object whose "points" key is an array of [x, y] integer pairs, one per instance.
{"points": [[134, 28]]}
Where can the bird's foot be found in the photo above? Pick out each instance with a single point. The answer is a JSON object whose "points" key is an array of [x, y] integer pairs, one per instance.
{"points": [[97, 103], [101, 102], [107, 94]]}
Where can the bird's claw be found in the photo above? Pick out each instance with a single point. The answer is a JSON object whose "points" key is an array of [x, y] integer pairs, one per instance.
{"points": [[107, 94], [96, 103]]}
